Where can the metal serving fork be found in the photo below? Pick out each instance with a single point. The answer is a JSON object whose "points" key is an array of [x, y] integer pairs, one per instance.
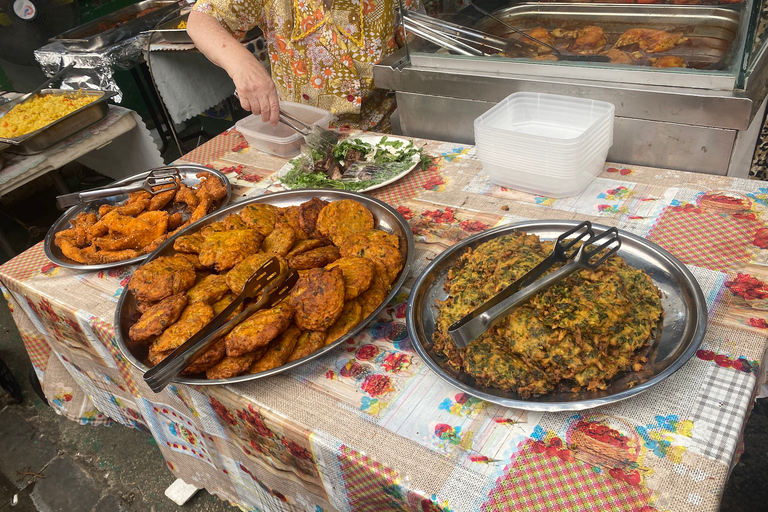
{"points": [[589, 255], [267, 280], [155, 181]]}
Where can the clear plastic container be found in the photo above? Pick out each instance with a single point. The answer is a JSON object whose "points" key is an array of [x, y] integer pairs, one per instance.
{"points": [[281, 140]]}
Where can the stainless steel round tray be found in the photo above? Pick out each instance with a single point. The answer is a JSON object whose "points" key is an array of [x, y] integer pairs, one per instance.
{"points": [[385, 218], [684, 323], [189, 177]]}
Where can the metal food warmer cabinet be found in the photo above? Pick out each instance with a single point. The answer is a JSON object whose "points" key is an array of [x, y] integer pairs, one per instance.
{"points": [[704, 118]]}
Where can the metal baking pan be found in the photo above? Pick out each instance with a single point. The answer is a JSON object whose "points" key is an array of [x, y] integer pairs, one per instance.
{"points": [[188, 174], [116, 26], [711, 30], [62, 128], [172, 34], [683, 328], [385, 218]]}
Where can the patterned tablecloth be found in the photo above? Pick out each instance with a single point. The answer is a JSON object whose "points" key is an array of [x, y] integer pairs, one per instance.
{"points": [[370, 427]]}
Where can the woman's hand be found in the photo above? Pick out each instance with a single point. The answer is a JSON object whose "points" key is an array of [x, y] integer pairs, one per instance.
{"points": [[256, 90]]}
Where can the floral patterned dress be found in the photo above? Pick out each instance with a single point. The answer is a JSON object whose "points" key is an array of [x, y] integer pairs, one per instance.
{"points": [[320, 56]]}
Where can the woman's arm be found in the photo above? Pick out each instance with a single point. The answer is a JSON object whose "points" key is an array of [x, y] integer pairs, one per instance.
{"points": [[254, 86]]}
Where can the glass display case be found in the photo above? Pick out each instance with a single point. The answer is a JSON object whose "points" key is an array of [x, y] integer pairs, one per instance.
{"points": [[688, 79]]}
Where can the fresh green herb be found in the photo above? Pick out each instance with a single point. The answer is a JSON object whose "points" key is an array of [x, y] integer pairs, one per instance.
{"points": [[340, 150]]}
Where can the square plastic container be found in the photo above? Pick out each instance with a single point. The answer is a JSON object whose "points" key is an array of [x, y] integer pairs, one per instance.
{"points": [[281, 140]]}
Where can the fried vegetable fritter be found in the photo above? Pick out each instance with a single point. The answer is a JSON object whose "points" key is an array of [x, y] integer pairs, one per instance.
{"points": [[308, 343], [577, 334], [358, 274], [278, 351], [221, 304], [232, 366], [340, 219], [209, 289], [209, 358], [313, 258], [260, 216], [161, 278], [350, 317], [383, 254], [193, 318], [372, 298], [192, 244], [280, 240], [225, 249], [240, 273], [259, 329], [290, 216], [318, 298], [158, 317], [375, 236], [308, 213]]}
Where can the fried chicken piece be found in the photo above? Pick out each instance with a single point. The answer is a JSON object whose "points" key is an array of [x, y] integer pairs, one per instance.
{"points": [[77, 236], [542, 35], [290, 216], [340, 219], [193, 318], [209, 358], [668, 61], [375, 236], [350, 317], [203, 207], [589, 41], [226, 249], [357, 273], [618, 56], [318, 298], [209, 289], [161, 199], [278, 351], [318, 257], [99, 257], [260, 216], [383, 254], [259, 329], [136, 233], [84, 219], [232, 366], [137, 203], [280, 240], [561, 33], [158, 317], [175, 220], [161, 278], [192, 244], [74, 253], [651, 40], [308, 213], [210, 184], [187, 196], [372, 298], [240, 273], [308, 343]]}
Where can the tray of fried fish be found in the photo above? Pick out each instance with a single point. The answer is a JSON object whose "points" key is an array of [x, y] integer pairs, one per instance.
{"points": [[352, 253]]}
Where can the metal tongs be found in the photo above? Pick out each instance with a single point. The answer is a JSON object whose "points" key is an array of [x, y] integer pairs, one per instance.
{"points": [[316, 137], [267, 280], [21, 99], [589, 255], [162, 179]]}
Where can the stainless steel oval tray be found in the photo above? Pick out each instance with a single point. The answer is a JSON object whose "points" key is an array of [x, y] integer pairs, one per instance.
{"points": [[189, 177], [684, 323], [385, 218]]}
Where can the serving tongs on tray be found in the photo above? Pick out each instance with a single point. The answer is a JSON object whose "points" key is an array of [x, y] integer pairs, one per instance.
{"points": [[318, 138], [267, 281], [162, 179], [593, 252]]}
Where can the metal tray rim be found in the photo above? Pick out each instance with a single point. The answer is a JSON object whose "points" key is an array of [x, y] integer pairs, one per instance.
{"points": [[304, 194], [63, 221], [699, 307]]}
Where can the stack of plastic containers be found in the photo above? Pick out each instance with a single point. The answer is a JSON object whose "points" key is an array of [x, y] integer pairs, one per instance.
{"points": [[545, 144]]}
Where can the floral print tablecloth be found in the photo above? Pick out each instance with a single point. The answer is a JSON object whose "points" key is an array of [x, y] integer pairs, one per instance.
{"points": [[369, 427]]}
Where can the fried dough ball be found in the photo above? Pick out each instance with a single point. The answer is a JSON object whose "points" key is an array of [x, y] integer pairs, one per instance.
{"points": [[226, 249], [358, 274], [158, 317], [259, 329], [308, 343], [375, 236], [240, 273], [161, 278], [278, 351], [373, 296], [384, 254], [193, 318], [308, 213], [209, 289], [280, 240], [192, 244], [318, 299], [232, 366], [313, 258], [350, 317], [260, 217], [290, 216], [209, 358], [341, 219]]}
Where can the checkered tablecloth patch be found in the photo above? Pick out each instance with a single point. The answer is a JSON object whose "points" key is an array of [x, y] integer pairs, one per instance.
{"points": [[412, 185], [23, 266], [214, 148], [38, 349], [106, 334], [542, 482], [705, 239], [366, 481], [719, 411]]}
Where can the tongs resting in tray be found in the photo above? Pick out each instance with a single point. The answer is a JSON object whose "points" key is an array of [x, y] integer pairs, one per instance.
{"points": [[161, 179], [267, 280], [594, 251]]}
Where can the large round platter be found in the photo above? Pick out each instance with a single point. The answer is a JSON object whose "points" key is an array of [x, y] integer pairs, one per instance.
{"points": [[684, 323], [373, 140], [188, 174], [385, 218]]}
